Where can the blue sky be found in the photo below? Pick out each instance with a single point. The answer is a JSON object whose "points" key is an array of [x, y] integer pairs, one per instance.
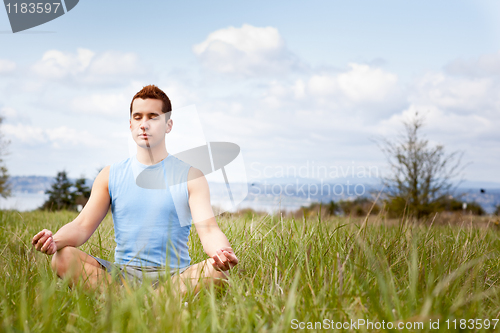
{"points": [[294, 83]]}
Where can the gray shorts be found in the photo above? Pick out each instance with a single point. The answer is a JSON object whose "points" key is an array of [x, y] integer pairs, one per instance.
{"points": [[137, 274]]}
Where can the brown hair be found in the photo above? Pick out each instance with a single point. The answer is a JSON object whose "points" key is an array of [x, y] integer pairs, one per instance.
{"points": [[153, 92]]}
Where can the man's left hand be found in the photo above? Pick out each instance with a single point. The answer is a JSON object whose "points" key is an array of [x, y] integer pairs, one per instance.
{"points": [[224, 260]]}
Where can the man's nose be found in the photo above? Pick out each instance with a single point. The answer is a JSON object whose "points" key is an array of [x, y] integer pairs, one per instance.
{"points": [[144, 124]]}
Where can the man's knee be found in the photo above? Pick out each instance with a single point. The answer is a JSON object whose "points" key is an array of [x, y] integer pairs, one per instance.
{"points": [[220, 276], [62, 259], [217, 276]]}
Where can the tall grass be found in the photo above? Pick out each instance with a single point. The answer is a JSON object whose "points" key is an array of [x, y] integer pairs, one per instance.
{"points": [[304, 269]]}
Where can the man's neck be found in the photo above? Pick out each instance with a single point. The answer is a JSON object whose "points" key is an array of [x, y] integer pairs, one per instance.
{"points": [[150, 156]]}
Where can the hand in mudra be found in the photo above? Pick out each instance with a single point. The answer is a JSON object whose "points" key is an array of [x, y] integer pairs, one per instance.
{"points": [[44, 242], [224, 260]]}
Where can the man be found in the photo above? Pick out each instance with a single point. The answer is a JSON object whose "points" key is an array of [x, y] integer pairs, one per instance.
{"points": [[153, 197]]}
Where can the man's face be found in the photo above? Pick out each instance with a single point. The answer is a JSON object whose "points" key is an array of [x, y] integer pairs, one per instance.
{"points": [[147, 122]]}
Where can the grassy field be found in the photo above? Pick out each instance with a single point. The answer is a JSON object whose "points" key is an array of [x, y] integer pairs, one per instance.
{"points": [[292, 271]]}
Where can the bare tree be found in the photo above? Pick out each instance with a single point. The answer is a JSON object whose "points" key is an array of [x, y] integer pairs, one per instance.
{"points": [[421, 175]]}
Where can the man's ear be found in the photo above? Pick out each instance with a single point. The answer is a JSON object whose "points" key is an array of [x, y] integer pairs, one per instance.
{"points": [[170, 123], [130, 122]]}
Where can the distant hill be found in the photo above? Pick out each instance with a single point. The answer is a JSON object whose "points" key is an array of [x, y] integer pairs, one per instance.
{"points": [[30, 184], [468, 184]]}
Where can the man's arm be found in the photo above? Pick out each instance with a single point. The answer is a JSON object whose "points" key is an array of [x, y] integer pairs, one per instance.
{"points": [[80, 229], [214, 241]]}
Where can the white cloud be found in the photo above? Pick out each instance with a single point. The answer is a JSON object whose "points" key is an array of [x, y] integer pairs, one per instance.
{"points": [[58, 65], [246, 51], [85, 66], [58, 137], [7, 66], [323, 85], [116, 64], [361, 91], [458, 94], [8, 112], [62, 136], [107, 104], [360, 84], [299, 89], [438, 121], [180, 94], [248, 39], [485, 65], [24, 133], [101, 102], [366, 84]]}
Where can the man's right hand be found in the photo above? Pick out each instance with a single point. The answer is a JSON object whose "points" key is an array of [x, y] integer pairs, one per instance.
{"points": [[44, 242]]}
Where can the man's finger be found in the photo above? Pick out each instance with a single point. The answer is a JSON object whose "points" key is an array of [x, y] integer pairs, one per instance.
{"points": [[214, 264], [229, 254], [227, 249], [37, 237], [225, 261], [217, 259], [222, 256], [232, 258], [233, 261], [40, 235], [46, 245], [52, 248], [41, 242], [219, 262]]}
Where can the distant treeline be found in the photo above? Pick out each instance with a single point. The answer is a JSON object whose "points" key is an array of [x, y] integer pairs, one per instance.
{"points": [[363, 206], [66, 194]]}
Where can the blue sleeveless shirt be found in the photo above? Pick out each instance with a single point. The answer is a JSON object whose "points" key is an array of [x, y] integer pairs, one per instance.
{"points": [[151, 214]]}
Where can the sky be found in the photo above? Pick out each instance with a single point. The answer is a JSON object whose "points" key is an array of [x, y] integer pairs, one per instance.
{"points": [[297, 85]]}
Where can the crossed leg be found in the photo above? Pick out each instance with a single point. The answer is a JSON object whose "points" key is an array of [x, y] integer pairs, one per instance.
{"points": [[72, 263], [198, 276]]}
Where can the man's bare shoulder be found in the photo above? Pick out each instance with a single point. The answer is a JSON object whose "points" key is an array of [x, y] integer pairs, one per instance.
{"points": [[194, 174], [101, 181], [197, 182]]}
